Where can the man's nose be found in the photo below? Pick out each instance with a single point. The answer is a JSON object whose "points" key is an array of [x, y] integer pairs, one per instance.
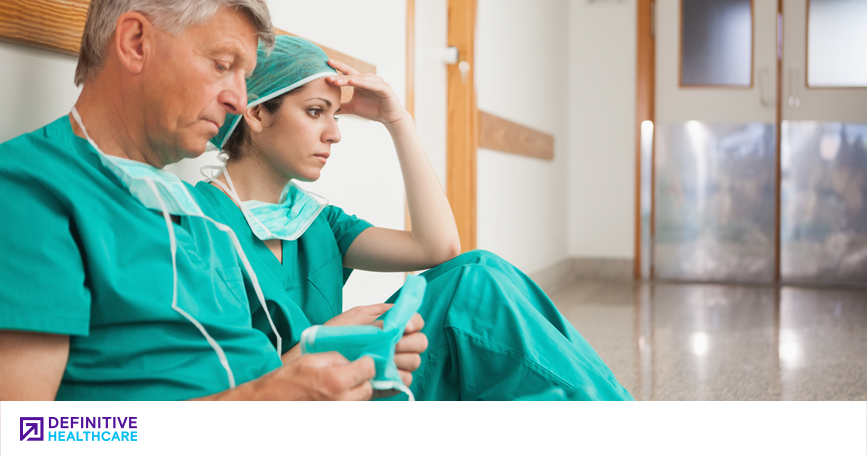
{"points": [[234, 97]]}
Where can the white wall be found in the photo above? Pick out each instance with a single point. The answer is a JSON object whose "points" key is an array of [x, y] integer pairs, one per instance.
{"points": [[602, 128], [521, 75], [431, 85], [35, 88]]}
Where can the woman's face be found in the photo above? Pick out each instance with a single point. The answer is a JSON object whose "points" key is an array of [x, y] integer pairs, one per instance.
{"points": [[295, 141]]}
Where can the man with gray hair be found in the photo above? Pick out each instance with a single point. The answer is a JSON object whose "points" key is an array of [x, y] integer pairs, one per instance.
{"points": [[116, 283]]}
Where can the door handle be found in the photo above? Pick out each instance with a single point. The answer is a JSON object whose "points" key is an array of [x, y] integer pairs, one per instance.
{"points": [[464, 68], [767, 102], [794, 101]]}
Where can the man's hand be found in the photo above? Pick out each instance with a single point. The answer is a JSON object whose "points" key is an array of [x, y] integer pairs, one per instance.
{"points": [[323, 377], [316, 377]]}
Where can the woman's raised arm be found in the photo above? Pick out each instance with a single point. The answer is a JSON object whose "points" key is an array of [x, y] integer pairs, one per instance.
{"points": [[433, 238]]}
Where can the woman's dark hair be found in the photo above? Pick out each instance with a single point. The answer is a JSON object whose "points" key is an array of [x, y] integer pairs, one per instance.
{"points": [[239, 141]]}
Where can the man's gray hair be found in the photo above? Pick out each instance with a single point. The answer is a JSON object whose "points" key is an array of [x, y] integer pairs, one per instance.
{"points": [[172, 16]]}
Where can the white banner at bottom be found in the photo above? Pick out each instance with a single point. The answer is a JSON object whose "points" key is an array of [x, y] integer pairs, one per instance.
{"points": [[671, 428]]}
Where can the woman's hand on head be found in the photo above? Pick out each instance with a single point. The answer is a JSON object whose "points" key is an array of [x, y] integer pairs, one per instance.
{"points": [[373, 98]]}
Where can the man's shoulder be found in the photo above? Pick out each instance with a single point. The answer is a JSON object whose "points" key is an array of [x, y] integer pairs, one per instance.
{"points": [[37, 149], [53, 164]]}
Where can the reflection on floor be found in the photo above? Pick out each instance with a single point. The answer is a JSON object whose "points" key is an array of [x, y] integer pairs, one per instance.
{"points": [[668, 341]]}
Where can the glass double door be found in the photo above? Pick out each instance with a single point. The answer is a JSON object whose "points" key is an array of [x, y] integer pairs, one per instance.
{"points": [[823, 233], [746, 190]]}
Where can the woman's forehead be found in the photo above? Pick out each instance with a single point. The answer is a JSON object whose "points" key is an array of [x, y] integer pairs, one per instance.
{"points": [[319, 89]]}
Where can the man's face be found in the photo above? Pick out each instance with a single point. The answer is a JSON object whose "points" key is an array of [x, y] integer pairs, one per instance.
{"points": [[193, 80]]}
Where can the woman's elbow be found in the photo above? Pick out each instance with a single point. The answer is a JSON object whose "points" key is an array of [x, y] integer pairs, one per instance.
{"points": [[451, 249], [439, 252]]}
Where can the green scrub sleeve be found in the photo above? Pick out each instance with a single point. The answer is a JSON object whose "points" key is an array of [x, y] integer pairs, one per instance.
{"points": [[43, 282], [345, 227]]}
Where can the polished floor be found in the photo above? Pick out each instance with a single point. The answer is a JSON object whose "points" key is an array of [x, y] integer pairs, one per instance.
{"points": [[668, 341]]}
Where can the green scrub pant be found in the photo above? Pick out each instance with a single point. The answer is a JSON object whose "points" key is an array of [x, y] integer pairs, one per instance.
{"points": [[494, 335]]}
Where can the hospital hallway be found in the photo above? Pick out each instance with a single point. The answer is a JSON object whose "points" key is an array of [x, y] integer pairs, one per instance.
{"points": [[674, 341]]}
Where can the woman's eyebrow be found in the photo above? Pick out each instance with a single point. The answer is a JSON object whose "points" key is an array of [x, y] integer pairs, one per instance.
{"points": [[327, 102]]}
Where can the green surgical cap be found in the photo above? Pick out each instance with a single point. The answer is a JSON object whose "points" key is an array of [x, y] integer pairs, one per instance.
{"points": [[292, 63]]}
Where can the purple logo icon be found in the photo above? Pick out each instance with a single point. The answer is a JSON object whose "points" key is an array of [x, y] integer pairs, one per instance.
{"points": [[31, 428]]}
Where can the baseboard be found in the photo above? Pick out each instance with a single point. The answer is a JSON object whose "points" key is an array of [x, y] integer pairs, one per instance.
{"points": [[607, 269], [554, 277], [560, 274]]}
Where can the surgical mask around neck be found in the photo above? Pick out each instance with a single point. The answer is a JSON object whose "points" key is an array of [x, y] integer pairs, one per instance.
{"points": [[135, 175], [288, 219], [164, 192]]}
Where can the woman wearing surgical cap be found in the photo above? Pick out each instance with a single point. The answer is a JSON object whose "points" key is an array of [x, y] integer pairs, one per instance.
{"points": [[493, 334]]}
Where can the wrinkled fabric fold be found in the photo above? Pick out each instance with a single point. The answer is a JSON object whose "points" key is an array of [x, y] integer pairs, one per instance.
{"points": [[494, 335]]}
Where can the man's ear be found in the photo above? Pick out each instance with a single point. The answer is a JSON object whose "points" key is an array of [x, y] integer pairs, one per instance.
{"points": [[132, 35], [254, 118]]}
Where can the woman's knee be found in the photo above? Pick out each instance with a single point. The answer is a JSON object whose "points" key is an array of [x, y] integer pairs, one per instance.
{"points": [[479, 257], [476, 259]]}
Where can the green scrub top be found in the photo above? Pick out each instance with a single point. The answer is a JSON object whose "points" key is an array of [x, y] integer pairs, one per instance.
{"points": [[308, 285], [82, 257]]}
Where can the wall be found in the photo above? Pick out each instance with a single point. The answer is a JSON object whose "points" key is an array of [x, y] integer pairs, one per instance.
{"points": [[36, 88], [521, 75], [431, 86], [602, 129]]}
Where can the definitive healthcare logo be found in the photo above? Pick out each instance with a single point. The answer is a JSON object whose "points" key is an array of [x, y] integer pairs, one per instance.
{"points": [[31, 428], [80, 429]]}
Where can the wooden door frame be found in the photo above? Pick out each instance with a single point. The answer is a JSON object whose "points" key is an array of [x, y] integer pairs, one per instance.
{"points": [[462, 125], [645, 109], [779, 145], [468, 129]]}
